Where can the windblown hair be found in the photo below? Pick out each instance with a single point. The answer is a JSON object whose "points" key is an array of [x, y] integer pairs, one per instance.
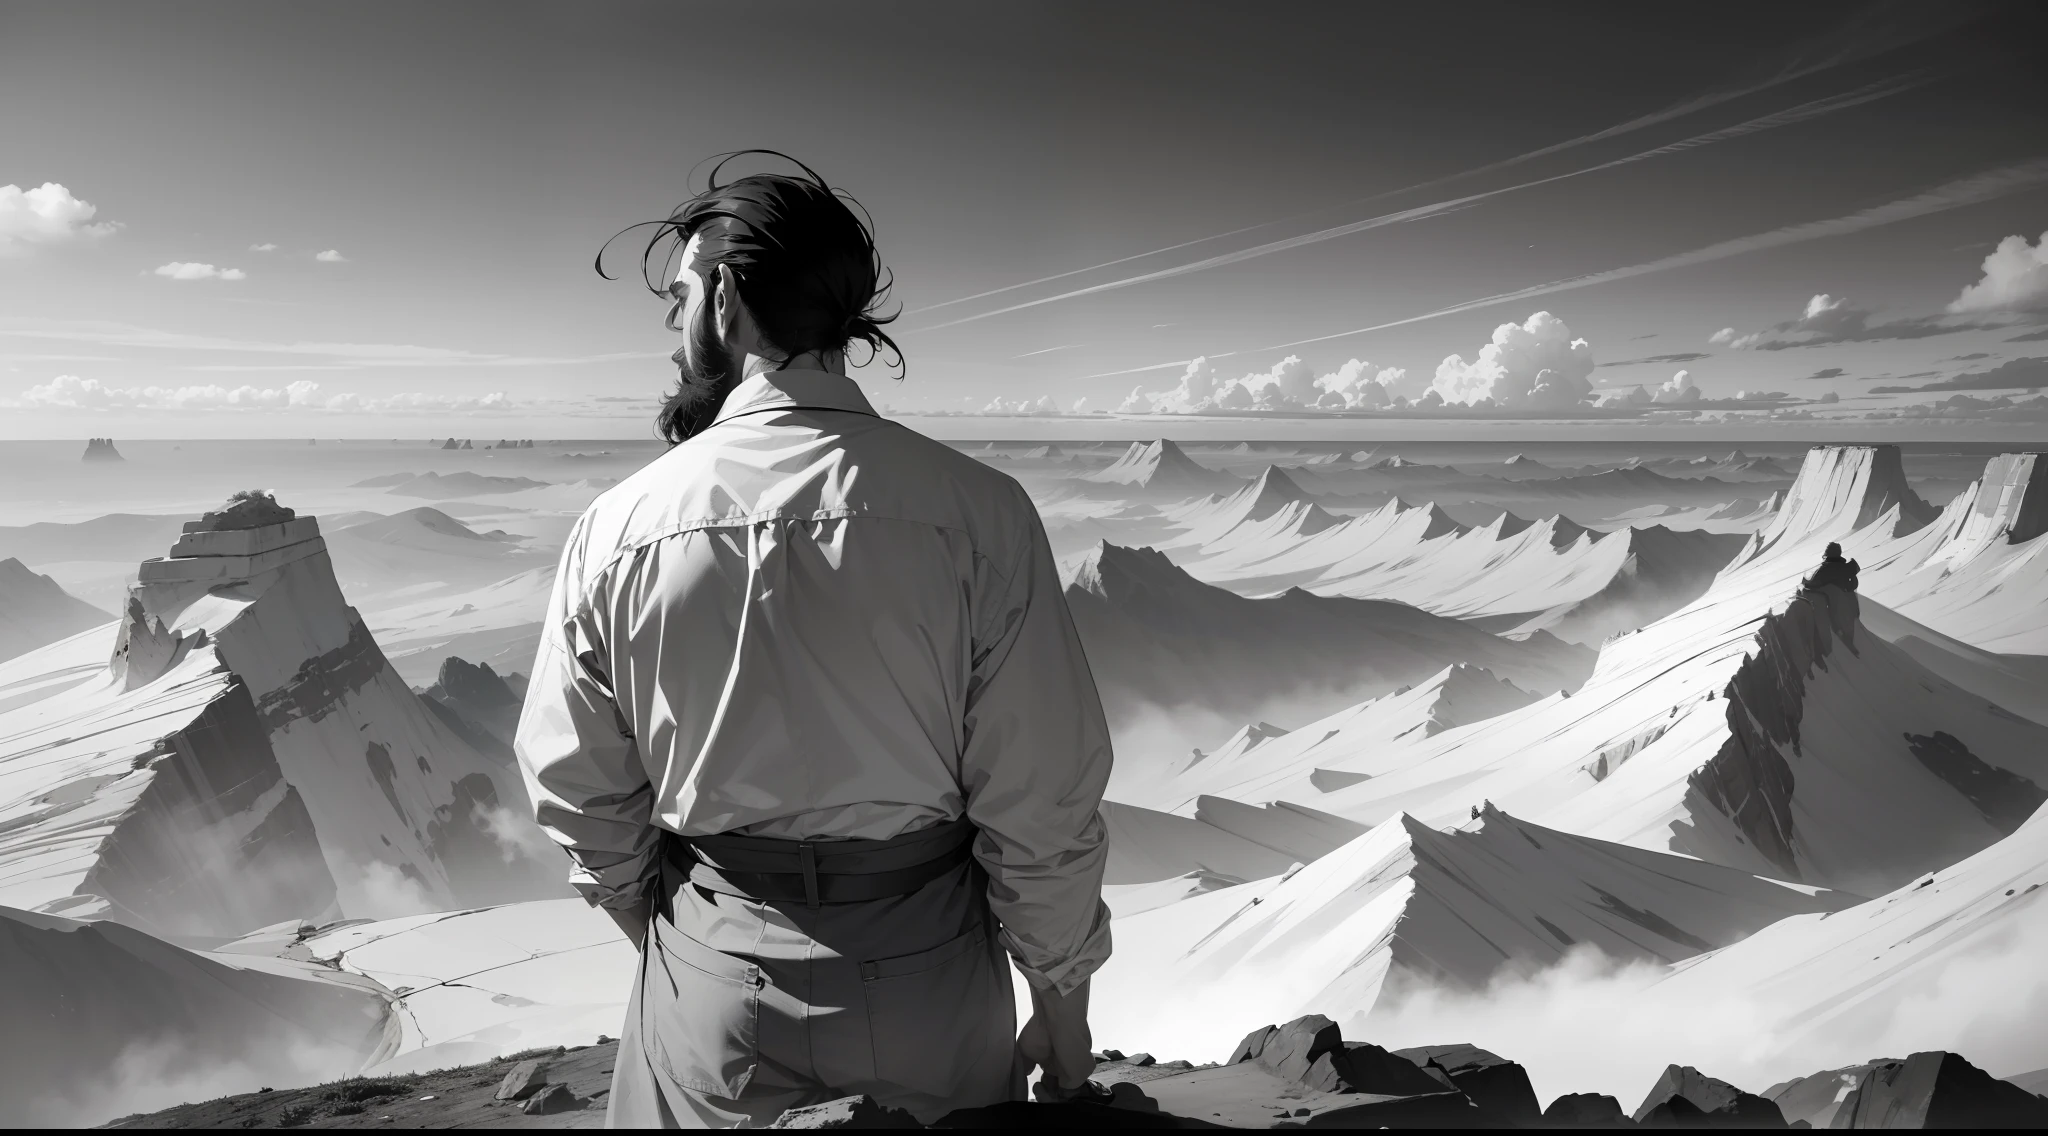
{"points": [[806, 264]]}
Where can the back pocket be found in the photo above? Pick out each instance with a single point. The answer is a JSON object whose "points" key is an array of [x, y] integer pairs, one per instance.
{"points": [[700, 1015], [929, 1015]]}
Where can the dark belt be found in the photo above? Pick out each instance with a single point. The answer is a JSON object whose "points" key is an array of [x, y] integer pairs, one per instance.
{"points": [[812, 872]]}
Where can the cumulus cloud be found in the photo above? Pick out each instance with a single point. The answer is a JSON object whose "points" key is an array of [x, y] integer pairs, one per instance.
{"points": [[1536, 365], [1679, 388], [1043, 404], [1198, 386], [267, 246], [192, 270], [69, 392], [331, 256], [46, 215], [2015, 279]]}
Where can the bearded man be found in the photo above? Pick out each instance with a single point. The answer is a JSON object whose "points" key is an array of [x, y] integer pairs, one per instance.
{"points": [[811, 718]]}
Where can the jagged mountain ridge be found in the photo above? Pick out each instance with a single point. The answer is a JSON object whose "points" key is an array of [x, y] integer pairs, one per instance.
{"points": [[1408, 903], [248, 741], [1157, 636], [1263, 763], [1160, 468], [1513, 574]]}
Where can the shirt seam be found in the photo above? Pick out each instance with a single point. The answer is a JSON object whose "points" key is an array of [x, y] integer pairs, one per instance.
{"points": [[585, 586]]}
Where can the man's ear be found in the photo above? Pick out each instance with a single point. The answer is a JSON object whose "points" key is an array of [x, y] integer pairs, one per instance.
{"points": [[727, 300]]}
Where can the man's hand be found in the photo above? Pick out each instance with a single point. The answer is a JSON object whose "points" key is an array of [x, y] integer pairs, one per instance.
{"points": [[633, 921], [1056, 1039]]}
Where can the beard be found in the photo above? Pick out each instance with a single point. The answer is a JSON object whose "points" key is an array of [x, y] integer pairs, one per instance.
{"points": [[705, 374]]}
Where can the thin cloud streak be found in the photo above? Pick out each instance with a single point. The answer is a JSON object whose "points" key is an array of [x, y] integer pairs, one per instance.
{"points": [[1049, 350], [359, 354], [1973, 190], [1803, 112], [1854, 50]]}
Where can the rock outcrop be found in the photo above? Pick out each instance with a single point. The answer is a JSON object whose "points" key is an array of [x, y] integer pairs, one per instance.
{"points": [[1684, 1097], [248, 755], [101, 450]]}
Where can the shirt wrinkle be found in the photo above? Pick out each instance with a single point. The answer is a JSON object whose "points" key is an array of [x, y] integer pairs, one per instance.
{"points": [[797, 628]]}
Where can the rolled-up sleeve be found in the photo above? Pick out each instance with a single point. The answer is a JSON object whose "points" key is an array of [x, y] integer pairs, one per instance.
{"points": [[589, 788], [1036, 760]]}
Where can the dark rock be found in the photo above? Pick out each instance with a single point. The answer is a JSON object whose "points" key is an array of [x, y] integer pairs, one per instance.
{"points": [[846, 1112], [246, 509], [474, 683], [1937, 1090], [1142, 1059], [524, 1080], [551, 1100], [1360, 1067], [1293, 1048], [1684, 1097], [1254, 1043], [101, 449], [1586, 1110], [1833, 571], [1498, 1086], [1068, 1116]]}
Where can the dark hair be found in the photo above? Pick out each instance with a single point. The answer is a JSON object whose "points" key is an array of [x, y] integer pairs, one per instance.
{"points": [[807, 266]]}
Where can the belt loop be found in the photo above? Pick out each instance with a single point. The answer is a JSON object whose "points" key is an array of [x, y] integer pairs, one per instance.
{"points": [[807, 855]]}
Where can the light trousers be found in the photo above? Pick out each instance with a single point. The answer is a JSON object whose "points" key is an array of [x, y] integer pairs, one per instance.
{"points": [[743, 1009]]}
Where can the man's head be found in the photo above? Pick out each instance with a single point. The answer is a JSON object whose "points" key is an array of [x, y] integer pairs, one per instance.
{"points": [[771, 266]]}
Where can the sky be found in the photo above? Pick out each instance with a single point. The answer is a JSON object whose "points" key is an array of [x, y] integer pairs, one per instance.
{"points": [[378, 220]]}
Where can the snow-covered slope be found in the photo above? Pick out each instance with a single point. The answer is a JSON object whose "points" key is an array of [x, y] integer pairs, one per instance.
{"points": [[1160, 469], [1263, 763], [1409, 903], [1979, 573], [161, 805], [1275, 507], [1922, 965], [1156, 636], [1763, 727], [104, 1020], [1552, 575], [473, 985], [245, 755], [35, 610], [1146, 846]]}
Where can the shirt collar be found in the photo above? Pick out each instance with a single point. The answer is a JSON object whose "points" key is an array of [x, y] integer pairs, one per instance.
{"points": [[794, 389]]}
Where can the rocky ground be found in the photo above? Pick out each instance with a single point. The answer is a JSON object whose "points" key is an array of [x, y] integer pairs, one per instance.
{"points": [[1299, 1075], [571, 1095]]}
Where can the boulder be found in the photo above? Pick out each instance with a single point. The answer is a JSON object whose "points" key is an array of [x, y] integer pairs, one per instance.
{"points": [[847, 1112], [524, 1080], [1291, 1050], [1937, 1090], [1684, 1097], [1498, 1086], [1586, 1110], [551, 1100], [1064, 1116], [1361, 1067]]}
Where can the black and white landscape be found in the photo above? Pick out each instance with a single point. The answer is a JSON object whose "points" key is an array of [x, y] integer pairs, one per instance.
{"points": [[1454, 424]]}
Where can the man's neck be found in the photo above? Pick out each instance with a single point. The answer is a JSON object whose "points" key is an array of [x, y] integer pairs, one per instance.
{"points": [[831, 362]]}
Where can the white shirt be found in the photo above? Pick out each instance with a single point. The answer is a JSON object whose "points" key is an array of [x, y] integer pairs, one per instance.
{"points": [[810, 622]]}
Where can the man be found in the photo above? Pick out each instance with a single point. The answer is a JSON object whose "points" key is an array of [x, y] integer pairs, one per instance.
{"points": [[812, 720]]}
